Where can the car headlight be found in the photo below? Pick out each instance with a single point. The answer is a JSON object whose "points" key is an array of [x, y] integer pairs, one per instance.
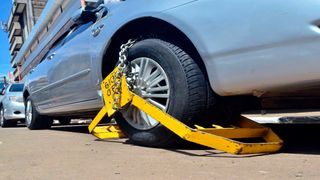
{"points": [[13, 98], [16, 98]]}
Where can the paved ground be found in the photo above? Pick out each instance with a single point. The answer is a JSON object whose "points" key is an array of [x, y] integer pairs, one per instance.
{"points": [[71, 153]]}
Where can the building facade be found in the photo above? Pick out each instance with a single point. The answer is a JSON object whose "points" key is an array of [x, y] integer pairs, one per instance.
{"points": [[43, 21], [23, 16]]}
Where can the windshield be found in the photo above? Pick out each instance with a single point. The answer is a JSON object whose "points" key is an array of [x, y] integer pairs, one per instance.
{"points": [[1, 85], [16, 88]]}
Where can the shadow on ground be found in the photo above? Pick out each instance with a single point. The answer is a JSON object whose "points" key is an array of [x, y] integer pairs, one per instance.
{"points": [[76, 128], [298, 139]]}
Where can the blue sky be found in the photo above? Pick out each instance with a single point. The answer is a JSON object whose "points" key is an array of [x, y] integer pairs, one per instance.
{"points": [[5, 8]]}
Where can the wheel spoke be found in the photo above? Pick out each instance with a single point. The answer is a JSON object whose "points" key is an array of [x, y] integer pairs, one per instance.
{"points": [[142, 64], [144, 118], [156, 89], [137, 117], [146, 69], [155, 74], [155, 95], [155, 103], [137, 70], [155, 81]]}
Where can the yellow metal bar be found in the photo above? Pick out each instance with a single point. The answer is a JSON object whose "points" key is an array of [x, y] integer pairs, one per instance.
{"points": [[272, 137], [237, 133], [202, 137], [218, 137], [107, 132], [258, 148], [107, 84], [165, 119], [98, 118]]}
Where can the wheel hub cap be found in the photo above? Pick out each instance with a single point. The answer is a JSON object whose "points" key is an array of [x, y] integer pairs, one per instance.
{"points": [[152, 84], [1, 117]]}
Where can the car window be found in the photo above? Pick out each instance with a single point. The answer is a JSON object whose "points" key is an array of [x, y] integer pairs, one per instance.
{"points": [[16, 88], [56, 44], [77, 30], [67, 36], [59, 41]]}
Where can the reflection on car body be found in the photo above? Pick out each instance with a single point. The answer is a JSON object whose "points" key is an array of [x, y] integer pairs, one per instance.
{"points": [[189, 56]]}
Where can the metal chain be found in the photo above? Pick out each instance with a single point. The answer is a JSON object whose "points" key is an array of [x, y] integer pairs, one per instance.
{"points": [[122, 71]]}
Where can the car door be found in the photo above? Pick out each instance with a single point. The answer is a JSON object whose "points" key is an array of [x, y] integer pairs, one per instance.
{"points": [[69, 77], [37, 78]]}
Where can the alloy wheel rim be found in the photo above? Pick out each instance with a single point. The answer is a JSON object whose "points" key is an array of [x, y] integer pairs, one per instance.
{"points": [[1, 116], [28, 113], [152, 84]]}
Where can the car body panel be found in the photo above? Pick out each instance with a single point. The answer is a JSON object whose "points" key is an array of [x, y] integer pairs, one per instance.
{"points": [[248, 47], [70, 75], [37, 84], [253, 39], [242, 42]]}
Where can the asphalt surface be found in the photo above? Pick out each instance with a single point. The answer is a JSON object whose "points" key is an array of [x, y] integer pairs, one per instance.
{"points": [[68, 152]]}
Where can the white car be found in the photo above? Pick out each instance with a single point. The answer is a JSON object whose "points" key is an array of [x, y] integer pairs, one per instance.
{"points": [[12, 106]]}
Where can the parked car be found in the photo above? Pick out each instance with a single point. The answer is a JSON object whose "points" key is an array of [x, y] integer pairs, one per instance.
{"points": [[2, 88], [3, 84], [194, 59], [12, 106]]}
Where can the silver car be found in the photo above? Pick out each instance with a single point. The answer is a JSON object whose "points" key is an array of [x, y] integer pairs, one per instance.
{"points": [[200, 61], [12, 106], [2, 88]]}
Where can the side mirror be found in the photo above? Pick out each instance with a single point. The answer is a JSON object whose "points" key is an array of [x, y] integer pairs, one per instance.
{"points": [[76, 16], [89, 14], [83, 16]]}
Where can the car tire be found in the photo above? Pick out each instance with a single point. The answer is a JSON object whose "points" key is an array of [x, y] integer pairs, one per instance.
{"points": [[3, 122], [33, 119], [64, 121], [188, 98]]}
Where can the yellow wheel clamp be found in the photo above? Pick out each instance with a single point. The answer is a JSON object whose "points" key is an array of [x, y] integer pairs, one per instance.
{"points": [[218, 138]]}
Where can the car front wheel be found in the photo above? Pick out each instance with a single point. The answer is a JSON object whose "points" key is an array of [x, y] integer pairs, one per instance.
{"points": [[168, 78], [3, 121]]}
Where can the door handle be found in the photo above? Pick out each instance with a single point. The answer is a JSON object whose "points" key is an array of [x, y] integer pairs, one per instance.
{"points": [[96, 30], [51, 56]]}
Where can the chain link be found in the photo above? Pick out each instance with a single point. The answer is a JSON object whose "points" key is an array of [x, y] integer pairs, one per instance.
{"points": [[122, 71]]}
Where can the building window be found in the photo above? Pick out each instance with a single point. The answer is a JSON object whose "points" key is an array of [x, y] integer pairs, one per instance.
{"points": [[24, 25]]}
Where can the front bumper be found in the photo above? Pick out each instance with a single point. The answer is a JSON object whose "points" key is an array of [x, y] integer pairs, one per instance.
{"points": [[14, 110]]}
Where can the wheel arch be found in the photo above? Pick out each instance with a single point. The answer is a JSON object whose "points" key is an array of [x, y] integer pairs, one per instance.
{"points": [[148, 27], [25, 95]]}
